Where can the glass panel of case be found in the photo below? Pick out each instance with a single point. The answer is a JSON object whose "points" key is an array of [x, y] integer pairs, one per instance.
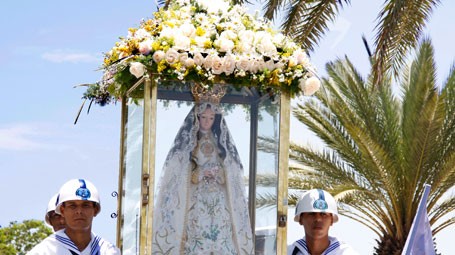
{"points": [[131, 191], [249, 118], [266, 176]]}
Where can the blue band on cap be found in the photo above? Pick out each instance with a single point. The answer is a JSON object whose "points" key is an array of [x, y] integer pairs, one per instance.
{"points": [[83, 192], [320, 203]]}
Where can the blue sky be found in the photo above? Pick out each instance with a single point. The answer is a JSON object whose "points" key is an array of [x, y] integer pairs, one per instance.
{"points": [[47, 47]]}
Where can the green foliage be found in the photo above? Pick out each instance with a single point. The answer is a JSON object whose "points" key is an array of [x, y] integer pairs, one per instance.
{"points": [[19, 238]]}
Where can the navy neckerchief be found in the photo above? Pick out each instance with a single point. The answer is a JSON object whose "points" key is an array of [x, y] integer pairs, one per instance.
{"points": [[94, 247], [302, 246]]}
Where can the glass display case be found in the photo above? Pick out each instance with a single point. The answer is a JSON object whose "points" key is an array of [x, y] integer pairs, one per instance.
{"points": [[153, 111]]}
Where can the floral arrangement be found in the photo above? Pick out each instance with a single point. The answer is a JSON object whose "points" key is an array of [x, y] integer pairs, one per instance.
{"points": [[208, 42]]}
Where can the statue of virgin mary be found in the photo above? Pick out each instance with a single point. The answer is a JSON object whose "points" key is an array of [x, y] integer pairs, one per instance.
{"points": [[201, 206]]}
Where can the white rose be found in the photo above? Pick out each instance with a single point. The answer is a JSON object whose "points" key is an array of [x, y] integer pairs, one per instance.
{"points": [[145, 47], [264, 44], [181, 42], [189, 62], [137, 69], [158, 56], [228, 34], [301, 57], [243, 64], [267, 47], [260, 65], [198, 59], [141, 34], [247, 36], [310, 85], [228, 65], [217, 65], [279, 40], [254, 65], [183, 57], [208, 62], [172, 56], [167, 32], [270, 65], [188, 29], [244, 47], [225, 45]]}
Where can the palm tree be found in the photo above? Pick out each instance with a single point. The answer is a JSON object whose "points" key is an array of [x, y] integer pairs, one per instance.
{"points": [[399, 27], [382, 146]]}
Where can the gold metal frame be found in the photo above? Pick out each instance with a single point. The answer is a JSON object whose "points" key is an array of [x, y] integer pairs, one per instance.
{"points": [[283, 169]]}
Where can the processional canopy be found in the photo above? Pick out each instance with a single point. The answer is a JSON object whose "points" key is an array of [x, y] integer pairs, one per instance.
{"points": [[215, 52]]}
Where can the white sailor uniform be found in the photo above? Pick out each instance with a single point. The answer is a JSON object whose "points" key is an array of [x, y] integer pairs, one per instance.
{"points": [[336, 247], [60, 244]]}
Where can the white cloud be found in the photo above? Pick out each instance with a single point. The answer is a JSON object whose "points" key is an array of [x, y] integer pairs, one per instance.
{"points": [[60, 56], [19, 138]]}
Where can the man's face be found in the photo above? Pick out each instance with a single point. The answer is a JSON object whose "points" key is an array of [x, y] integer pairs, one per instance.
{"points": [[56, 220], [316, 224], [79, 214]]}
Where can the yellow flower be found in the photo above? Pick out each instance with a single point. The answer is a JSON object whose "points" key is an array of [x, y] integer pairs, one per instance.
{"points": [[160, 27], [170, 24], [208, 44], [156, 45], [133, 44], [177, 66], [161, 66], [107, 61], [200, 31], [274, 77], [123, 48]]}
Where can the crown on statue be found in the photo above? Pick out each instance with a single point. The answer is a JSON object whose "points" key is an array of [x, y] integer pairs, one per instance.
{"points": [[212, 94]]}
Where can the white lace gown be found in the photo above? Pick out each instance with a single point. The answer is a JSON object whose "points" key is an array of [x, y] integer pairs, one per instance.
{"points": [[202, 210], [209, 225]]}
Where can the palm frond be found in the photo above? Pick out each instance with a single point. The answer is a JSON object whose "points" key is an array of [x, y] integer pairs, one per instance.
{"points": [[307, 21], [272, 7], [400, 25]]}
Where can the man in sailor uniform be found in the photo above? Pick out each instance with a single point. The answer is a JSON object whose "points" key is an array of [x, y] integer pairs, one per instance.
{"points": [[78, 203], [53, 219], [316, 211]]}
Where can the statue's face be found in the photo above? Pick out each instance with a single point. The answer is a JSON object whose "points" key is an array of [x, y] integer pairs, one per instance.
{"points": [[206, 119]]}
